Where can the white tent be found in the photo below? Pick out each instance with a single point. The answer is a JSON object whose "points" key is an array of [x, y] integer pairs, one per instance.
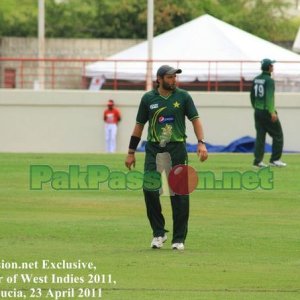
{"points": [[206, 49], [296, 45]]}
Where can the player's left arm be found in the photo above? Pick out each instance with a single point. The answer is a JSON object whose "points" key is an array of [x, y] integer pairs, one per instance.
{"points": [[192, 114], [270, 99], [118, 115], [201, 148], [252, 95]]}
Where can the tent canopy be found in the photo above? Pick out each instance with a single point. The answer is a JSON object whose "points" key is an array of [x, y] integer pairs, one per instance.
{"points": [[206, 49], [296, 45]]}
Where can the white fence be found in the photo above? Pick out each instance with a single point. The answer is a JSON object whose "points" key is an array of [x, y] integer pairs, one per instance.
{"points": [[71, 121]]}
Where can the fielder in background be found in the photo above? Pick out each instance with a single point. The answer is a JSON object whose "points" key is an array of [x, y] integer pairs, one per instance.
{"points": [[165, 109], [112, 117], [265, 116]]}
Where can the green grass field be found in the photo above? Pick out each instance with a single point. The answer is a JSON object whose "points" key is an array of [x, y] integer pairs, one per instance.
{"points": [[241, 244]]}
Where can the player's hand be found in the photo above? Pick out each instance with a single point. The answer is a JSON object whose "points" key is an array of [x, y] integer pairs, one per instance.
{"points": [[274, 117], [202, 152], [130, 161]]}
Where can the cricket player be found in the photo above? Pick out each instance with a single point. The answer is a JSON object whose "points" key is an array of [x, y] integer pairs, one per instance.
{"points": [[111, 117], [165, 109], [265, 116]]}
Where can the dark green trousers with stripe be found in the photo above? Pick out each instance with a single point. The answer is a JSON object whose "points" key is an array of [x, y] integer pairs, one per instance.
{"points": [[172, 154], [264, 125]]}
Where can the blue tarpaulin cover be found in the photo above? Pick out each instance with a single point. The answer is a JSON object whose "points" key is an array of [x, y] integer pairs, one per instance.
{"points": [[244, 144]]}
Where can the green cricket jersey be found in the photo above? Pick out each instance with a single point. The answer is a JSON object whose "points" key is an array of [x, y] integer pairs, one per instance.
{"points": [[262, 92], [166, 116]]}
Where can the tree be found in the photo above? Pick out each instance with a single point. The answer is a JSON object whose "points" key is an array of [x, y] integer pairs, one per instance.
{"points": [[70, 19], [128, 18], [266, 19], [120, 19], [18, 20]]}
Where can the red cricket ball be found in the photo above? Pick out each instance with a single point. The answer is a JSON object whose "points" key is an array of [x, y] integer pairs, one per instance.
{"points": [[183, 179]]}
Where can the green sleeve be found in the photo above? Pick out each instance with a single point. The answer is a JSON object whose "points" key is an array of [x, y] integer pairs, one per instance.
{"points": [[270, 91], [252, 97], [190, 108], [142, 114]]}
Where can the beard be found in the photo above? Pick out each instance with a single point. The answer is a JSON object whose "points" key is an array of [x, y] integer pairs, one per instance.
{"points": [[168, 87]]}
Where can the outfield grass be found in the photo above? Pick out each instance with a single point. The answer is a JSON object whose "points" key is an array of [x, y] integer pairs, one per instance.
{"points": [[241, 244]]}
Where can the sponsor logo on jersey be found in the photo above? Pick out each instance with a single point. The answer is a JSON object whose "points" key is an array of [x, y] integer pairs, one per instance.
{"points": [[166, 119], [153, 106]]}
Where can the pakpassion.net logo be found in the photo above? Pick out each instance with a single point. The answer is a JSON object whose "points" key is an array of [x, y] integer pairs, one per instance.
{"points": [[181, 179]]}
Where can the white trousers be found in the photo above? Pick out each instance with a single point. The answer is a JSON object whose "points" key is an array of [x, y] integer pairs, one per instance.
{"points": [[110, 137]]}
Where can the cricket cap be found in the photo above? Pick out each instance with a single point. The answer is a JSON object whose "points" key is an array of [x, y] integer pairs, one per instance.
{"points": [[167, 70], [266, 62]]}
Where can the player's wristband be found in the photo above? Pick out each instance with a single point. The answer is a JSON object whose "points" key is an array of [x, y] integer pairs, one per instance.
{"points": [[201, 142], [134, 141]]}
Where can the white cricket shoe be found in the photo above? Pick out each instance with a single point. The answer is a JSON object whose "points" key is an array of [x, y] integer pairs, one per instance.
{"points": [[158, 241], [178, 246], [260, 165], [278, 163]]}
